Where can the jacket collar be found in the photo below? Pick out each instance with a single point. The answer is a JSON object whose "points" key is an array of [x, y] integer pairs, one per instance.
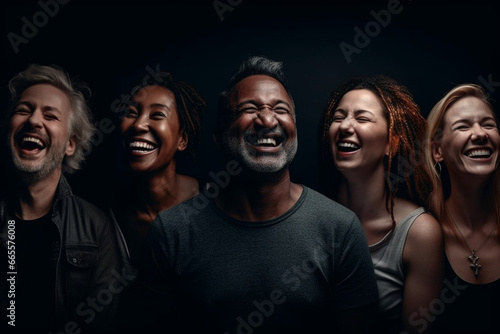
{"points": [[63, 191]]}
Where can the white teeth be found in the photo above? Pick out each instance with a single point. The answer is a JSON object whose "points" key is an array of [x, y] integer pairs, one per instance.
{"points": [[270, 141], [349, 145], [33, 140], [141, 145], [479, 153]]}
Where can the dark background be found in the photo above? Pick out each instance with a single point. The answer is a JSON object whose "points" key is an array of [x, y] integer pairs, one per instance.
{"points": [[428, 47]]}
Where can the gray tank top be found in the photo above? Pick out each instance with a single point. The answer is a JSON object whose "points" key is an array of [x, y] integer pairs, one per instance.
{"points": [[387, 257]]}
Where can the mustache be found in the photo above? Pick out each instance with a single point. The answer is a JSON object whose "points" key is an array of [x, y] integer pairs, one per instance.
{"points": [[263, 133]]}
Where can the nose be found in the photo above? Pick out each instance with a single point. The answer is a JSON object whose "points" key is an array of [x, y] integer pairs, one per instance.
{"points": [[266, 118], [478, 133], [346, 125], [36, 118], [141, 123]]}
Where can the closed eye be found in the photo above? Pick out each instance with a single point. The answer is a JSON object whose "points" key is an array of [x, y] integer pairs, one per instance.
{"points": [[281, 110], [249, 110], [158, 115], [131, 113], [51, 117], [338, 116], [461, 127], [22, 111], [490, 125]]}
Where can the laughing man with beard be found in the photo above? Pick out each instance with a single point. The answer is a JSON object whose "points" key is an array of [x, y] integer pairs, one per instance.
{"points": [[264, 255], [63, 249]]}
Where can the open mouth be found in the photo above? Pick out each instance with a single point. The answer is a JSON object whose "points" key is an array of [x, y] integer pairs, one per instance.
{"points": [[479, 153], [141, 146], [30, 143], [347, 147], [270, 141]]}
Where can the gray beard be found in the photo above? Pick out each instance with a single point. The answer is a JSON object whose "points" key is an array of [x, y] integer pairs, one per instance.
{"points": [[259, 162], [30, 172]]}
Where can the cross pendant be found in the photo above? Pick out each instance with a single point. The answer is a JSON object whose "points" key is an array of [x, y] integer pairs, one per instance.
{"points": [[474, 266]]}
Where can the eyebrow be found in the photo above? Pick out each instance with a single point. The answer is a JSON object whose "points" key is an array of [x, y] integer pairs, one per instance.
{"points": [[465, 120], [356, 112], [152, 105], [159, 105]]}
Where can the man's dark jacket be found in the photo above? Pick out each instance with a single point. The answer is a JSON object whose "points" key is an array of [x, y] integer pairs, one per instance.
{"points": [[88, 274]]}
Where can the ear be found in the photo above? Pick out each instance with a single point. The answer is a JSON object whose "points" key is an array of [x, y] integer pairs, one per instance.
{"points": [[392, 146], [437, 151], [183, 141], [70, 146]]}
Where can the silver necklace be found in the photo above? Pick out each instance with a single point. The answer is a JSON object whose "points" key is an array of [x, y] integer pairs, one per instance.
{"points": [[474, 266]]}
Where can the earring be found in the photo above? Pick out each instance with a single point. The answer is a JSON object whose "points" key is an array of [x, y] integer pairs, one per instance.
{"points": [[437, 167]]}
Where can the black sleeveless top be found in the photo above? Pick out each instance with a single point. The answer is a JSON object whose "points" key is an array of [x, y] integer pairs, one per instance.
{"points": [[466, 307]]}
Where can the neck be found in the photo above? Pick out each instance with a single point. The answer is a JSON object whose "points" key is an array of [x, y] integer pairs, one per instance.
{"points": [[364, 194], [472, 202], [35, 197], [156, 192], [258, 196]]}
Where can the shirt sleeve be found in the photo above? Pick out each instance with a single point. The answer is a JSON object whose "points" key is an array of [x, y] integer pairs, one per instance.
{"points": [[355, 284]]}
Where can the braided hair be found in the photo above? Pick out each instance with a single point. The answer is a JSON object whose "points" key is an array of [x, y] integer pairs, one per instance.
{"points": [[406, 173]]}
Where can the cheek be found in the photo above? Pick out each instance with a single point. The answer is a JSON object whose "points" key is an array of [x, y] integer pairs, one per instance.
{"points": [[495, 138], [289, 125], [125, 125], [163, 128], [332, 133], [240, 125], [166, 130], [14, 122]]}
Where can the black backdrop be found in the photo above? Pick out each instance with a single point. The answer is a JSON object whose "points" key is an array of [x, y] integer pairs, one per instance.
{"points": [[426, 46]]}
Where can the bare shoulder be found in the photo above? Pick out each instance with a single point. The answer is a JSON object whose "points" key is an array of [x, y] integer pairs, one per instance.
{"points": [[425, 229], [424, 239]]}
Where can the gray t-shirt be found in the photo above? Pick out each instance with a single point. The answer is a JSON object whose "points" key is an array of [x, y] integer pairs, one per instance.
{"points": [[206, 271], [387, 257]]}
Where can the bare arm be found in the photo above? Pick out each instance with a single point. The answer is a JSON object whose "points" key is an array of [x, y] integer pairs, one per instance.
{"points": [[423, 255]]}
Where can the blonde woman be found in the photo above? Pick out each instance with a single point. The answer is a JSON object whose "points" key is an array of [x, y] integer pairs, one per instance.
{"points": [[463, 147]]}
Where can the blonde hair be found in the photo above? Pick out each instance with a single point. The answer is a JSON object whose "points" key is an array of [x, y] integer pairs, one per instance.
{"points": [[435, 121]]}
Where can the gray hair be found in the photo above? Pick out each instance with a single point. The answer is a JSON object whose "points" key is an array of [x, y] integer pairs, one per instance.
{"points": [[81, 127]]}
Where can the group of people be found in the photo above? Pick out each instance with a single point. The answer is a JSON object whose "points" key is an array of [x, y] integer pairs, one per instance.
{"points": [[402, 237]]}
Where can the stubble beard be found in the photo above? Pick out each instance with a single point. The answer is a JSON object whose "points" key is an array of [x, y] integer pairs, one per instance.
{"points": [[39, 171], [257, 161]]}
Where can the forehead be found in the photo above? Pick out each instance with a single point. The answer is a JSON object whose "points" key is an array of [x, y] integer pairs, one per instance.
{"points": [[468, 108], [259, 88], [154, 94], [361, 99], [47, 96]]}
